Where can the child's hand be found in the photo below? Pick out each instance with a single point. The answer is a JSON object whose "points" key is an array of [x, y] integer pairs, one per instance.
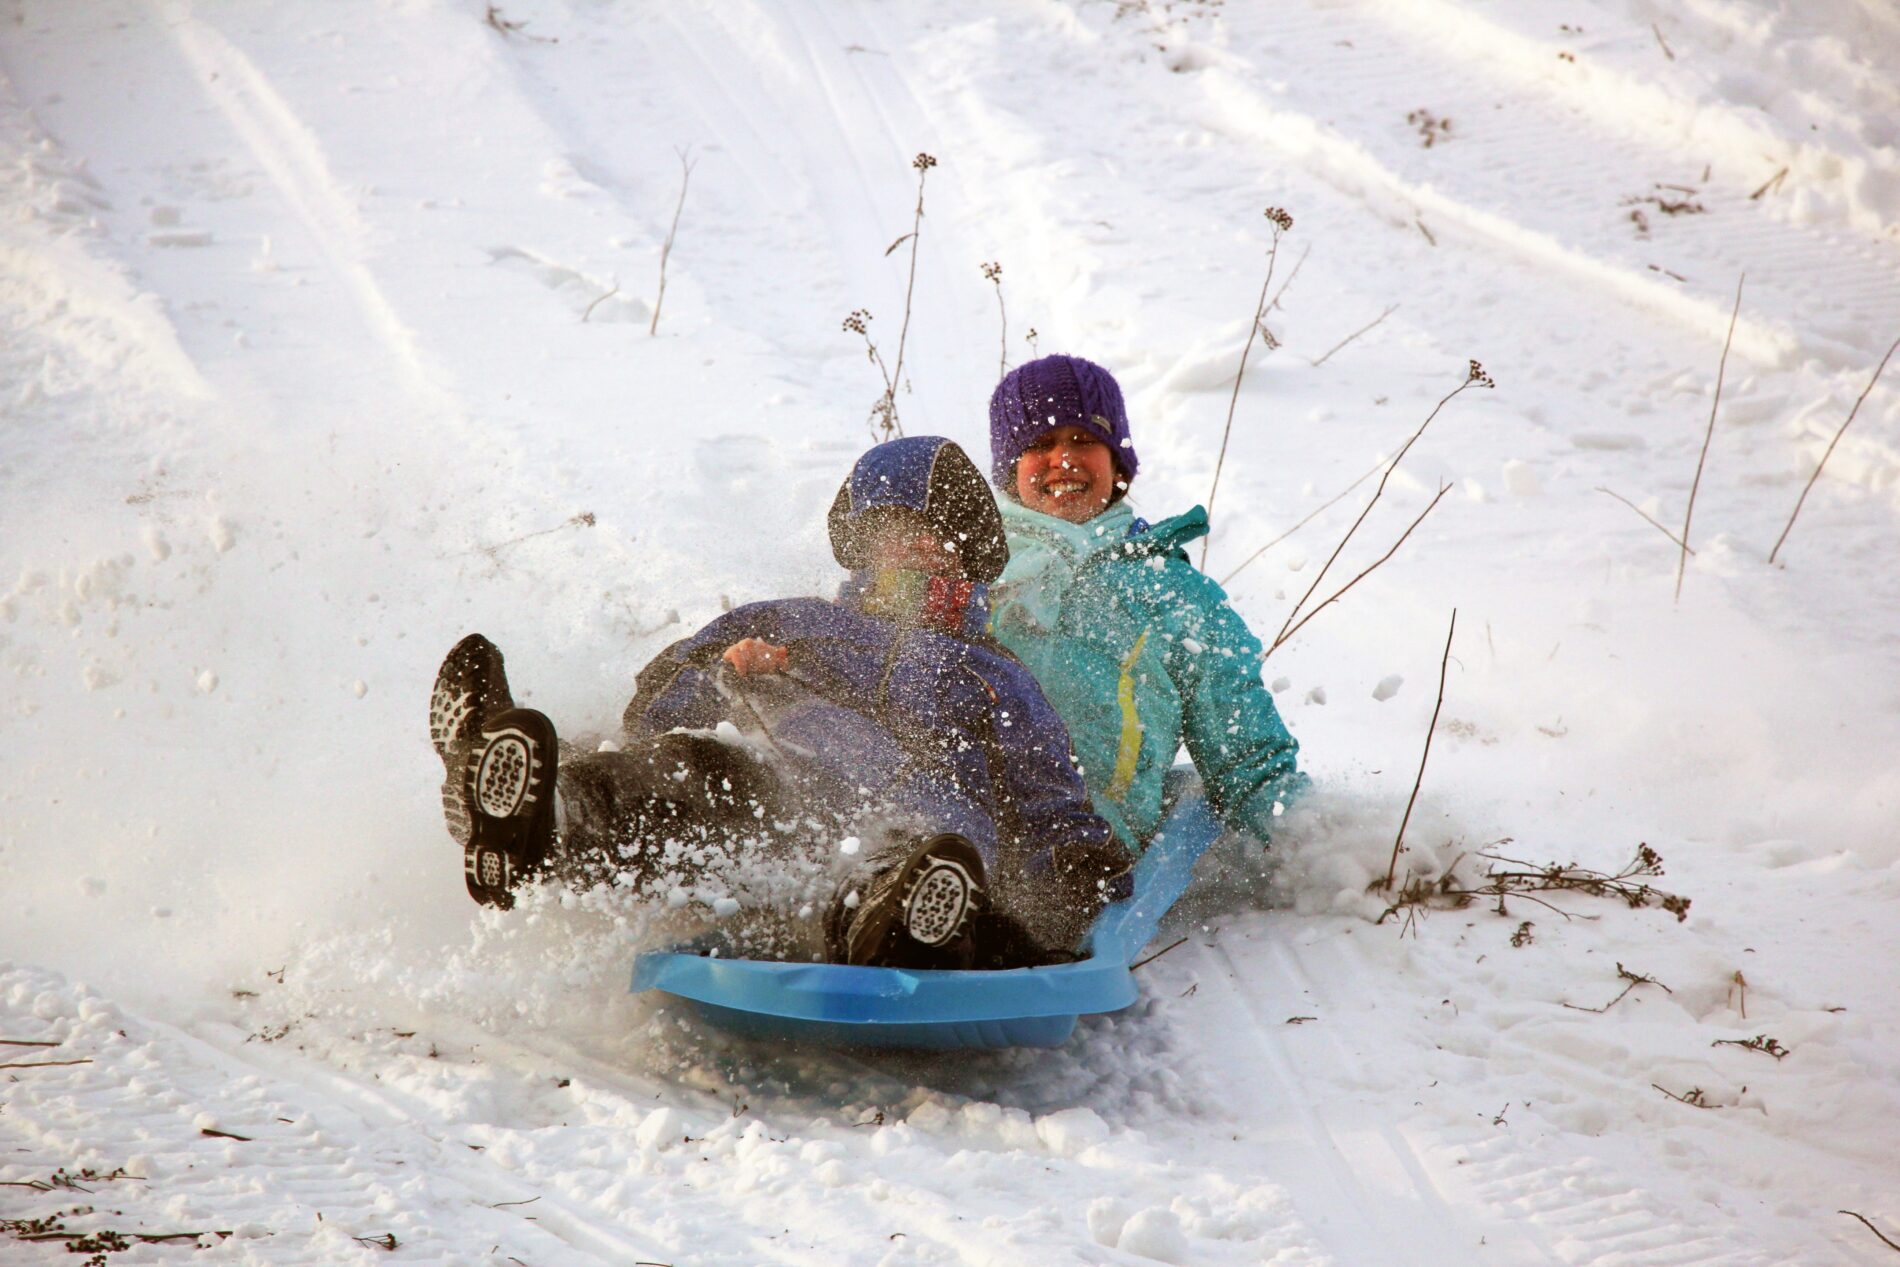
{"points": [[755, 655]]}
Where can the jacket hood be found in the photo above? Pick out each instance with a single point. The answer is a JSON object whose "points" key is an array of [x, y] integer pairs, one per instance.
{"points": [[931, 477]]}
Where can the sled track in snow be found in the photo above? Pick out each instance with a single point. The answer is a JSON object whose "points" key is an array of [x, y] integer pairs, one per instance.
{"points": [[1573, 1209]]}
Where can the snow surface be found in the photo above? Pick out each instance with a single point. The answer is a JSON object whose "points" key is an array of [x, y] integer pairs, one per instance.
{"points": [[326, 342]]}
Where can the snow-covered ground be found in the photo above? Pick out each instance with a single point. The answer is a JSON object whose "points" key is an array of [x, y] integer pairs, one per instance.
{"points": [[326, 341]]}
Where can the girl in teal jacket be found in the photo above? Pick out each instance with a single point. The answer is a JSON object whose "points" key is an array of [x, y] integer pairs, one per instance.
{"points": [[1139, 652]]}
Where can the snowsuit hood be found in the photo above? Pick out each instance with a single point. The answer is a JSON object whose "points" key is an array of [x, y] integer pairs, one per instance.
{"points": [[1141, 654], [931, 477]]}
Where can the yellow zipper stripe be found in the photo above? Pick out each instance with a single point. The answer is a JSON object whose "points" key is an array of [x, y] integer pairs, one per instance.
{"points": [[1128, 755]]}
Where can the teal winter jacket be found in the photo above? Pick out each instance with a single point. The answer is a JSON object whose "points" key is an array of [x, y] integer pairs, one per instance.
{"points": [[1141, 653]]}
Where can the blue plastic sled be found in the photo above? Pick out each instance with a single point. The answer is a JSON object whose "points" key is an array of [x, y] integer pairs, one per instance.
{"points": [[839, 1005]]}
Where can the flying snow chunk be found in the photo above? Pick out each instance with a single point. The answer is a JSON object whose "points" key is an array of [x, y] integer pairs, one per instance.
{"points": [[1316, 696], [1520, 480], [359, 688], [661, 1128], [849, 846], [1279, 684], [1388, 687], [207, 682], [222, 535], [722, 907], [1192, 647], [1155, 1233]]}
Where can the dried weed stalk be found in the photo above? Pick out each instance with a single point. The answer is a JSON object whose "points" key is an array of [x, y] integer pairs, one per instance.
{"points": [[1878, 370], [1632, 980], [994, 273], [687, 164], [1763, 1043], [1280, 223], [1325, 506], [1398, 844], [1506, 878], [1682, 563], [922, 164], [1854, 1214], [1474, 376], [1364, 329], [884, 408]]}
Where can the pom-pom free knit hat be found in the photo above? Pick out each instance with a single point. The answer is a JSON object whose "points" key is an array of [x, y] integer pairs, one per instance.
{"points": [[1057, 391]]}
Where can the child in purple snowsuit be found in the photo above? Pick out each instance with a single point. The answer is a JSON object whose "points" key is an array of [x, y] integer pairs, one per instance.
{"points": [[888, 712]]}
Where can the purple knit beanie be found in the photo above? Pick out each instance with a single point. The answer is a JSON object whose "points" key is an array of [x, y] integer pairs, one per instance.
{"points": [[1056, 391]]}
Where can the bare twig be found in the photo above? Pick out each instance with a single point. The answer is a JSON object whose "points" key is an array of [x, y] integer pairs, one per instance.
{"points": [[1142, 963], [666, 248], [1390, 309], [507, 26], [1741, 983], [1645, 514], [1399, 842], [1763, 1043], [1475, 374], [1328, 504], [214, 1133], [1692, 1097], [1660, 40], [27, 1042], [1870, 1227], [1427, 232], [1770, 185], [585, 519], [1364, 573], [61, 1179], [602, 298], [1830, 449], [1682, 563], [386, 1241], [1281, 222], [43, 1064], [994, 272], [1632, 980], [1275, 301]]}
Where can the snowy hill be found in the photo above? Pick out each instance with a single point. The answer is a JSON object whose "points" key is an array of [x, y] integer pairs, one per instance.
{"points": [[327, 341]]}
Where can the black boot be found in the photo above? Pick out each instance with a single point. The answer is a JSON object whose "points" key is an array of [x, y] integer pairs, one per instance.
{"points": [[472, 684], [508, 787], [499, 764], [913, 905]]}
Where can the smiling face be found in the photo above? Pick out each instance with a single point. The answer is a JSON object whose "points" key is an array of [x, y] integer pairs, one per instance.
{"points": [[1067, 472]]}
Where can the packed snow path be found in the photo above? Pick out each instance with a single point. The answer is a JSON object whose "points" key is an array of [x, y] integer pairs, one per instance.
{"points": [[326, 342]]}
